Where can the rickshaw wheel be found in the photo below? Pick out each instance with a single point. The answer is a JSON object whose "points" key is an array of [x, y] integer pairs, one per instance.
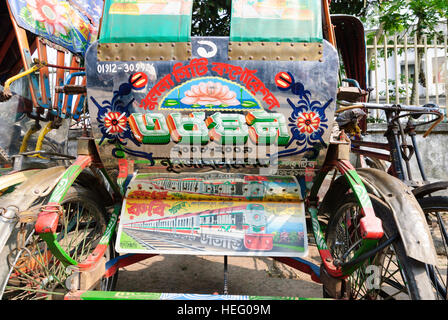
{"points": [[36, 274], [436, 212], [390, 273]]}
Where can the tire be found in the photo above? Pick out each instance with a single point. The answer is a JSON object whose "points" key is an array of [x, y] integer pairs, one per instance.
{"points": [[432, 206], [409, 281], [36, 274]]}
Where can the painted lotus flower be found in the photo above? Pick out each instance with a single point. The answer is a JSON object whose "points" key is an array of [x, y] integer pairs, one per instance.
{"points": [[210, 93], [308, 122], [51, 13]]}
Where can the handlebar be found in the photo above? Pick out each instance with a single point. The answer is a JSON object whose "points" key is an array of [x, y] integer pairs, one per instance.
{"points": [[429, 108]]}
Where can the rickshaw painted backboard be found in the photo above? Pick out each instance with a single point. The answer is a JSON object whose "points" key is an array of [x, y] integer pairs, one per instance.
{"points": [[213, 214], [70, 24], [212, 113], [222, 135]]}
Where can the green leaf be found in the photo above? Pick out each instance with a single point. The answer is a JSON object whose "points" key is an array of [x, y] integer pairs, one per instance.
{"points": [[170, 102], [249, 104]]}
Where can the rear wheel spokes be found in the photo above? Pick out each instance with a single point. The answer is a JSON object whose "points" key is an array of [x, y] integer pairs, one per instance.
{"points": [[392, 282], [36, 273]]}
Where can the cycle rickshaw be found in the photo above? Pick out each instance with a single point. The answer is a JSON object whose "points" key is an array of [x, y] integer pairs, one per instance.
{"points": [[222, 146]]}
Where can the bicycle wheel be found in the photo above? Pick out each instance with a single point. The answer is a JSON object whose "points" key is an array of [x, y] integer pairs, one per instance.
{"points": [[390, 274], [436, 212], [36, 274]]}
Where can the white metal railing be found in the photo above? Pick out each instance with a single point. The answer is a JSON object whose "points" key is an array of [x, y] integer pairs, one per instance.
{"points": [[390, 74]]}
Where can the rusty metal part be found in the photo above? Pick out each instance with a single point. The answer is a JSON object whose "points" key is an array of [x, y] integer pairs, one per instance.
{"points": [[280, 51], [89, 279], [162, 51], [71, 89], [334, 287], [28, 216], [343, 152]]}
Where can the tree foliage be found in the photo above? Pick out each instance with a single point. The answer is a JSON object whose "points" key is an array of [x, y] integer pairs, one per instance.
{"points": [[211, 18]]}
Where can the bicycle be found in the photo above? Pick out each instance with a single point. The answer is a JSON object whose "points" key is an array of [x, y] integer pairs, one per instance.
{"points": [[399, 153]]}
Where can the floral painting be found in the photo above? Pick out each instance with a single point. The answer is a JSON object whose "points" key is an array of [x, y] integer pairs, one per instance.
{"points": [[59, 21], [210, 93], [308, 120]]}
